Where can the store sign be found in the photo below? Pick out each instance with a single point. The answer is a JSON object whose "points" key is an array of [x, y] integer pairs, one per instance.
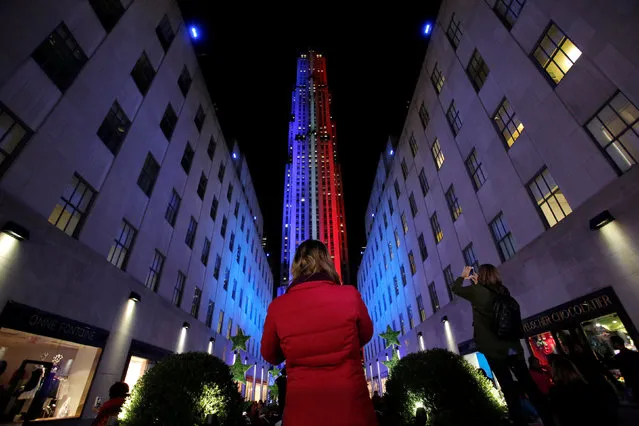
{"points": [[30, 320], [586, 307]]}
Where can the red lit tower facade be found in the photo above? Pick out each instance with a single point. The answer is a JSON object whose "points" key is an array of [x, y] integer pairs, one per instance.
{"points": [[313, 191]]}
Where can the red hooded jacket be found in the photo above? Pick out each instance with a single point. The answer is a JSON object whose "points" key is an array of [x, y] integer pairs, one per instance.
{"points": [[318, 327]]}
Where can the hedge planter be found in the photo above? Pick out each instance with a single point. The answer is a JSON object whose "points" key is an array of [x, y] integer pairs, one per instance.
{"points": [[449, 388], [182, 390]]}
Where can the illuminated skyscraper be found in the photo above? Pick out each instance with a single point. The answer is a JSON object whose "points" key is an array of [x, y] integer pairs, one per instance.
{"points": [[313, 194]]}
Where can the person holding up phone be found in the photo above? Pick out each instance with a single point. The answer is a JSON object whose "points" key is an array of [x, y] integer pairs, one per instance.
{"points": [[493, 309]]}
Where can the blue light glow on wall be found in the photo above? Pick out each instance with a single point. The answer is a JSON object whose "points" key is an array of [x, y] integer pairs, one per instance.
{"points": [[428, 28], [195, 32]]}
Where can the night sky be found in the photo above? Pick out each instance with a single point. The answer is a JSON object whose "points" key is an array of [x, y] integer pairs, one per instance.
{"points": [[248, 57]]}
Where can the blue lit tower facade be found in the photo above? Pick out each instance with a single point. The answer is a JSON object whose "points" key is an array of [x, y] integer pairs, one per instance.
{"points": [[313, 193]]}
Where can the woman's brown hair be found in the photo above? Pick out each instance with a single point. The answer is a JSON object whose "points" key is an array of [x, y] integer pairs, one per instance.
{"points": [[564, 372], [312, 257], [489, 275]]}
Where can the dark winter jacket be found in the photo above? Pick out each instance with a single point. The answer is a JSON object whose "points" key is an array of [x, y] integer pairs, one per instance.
{"points": [[482, 299]]}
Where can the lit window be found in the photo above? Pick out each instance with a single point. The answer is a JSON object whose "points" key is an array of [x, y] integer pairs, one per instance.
{"points": [[437, 78], [438, 155], [508, 123], [477, 70], [549, 198], [616, 130], [437, 230], [556, 53], [404, 223], [69, 214], [454, 31], [475, 170], [453, 203], [411, 260]]}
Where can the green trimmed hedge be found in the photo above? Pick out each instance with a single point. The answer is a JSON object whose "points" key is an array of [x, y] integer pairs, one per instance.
{"points": [[181, 390], [449, 388]]}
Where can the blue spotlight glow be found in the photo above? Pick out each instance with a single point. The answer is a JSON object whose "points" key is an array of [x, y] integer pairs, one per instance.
{"points": [[195, 33], [234, 156], [428, 28], [391, 152]]}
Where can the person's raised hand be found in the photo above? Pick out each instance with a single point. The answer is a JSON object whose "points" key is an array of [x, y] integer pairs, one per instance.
{"points": [[466, 272]]}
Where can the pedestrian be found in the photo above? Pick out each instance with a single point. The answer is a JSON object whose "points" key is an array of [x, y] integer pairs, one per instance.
{"points": [[108, 411], [319, 326], [540, 375], [280, 382], [505, 355], [576, 402], [628, 362]]}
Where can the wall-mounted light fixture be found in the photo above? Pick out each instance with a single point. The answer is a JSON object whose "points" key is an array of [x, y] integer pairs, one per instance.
{"points": [[601, 220], [186, 325], [444, 319], [135, 296], [212, 340], [15, 230]]}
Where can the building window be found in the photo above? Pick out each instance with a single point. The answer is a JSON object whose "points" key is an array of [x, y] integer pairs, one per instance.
{"points": [[210, 149], [229, 328], [397, 190], [453, 203], [438, 155], [109, 12], [616, 130], [220, 322], [239, 253], [169, 120], [201, 186], [450, 279], [413, 204], [173, 208], [396, 285], [121, 246], [409, 312], [190, 232], [229, 192], [187, 158], [234, 291], [437, 78], [402, 272], [206, 249], [550, 200], [148, 175], [423, 116], [236, 211], [60, 57], [434, 300], [70, 212], [155, 271], [217, 266], [508, 11], [556, 53], [390, 207], [220, 172], [422, 247], [404, 168], [420, 308], [143, 73], [223, 227], [195, 305], [214, 205], [184, 81], [385, 220], [199, 118], [470, 257], [227, 277], [413, 145], [114, 128], [508, 125], [178, 290], [475, 170], [452, 115], [411, 260], [165, 33], [454, 31], [503, 237], [477, 70], [209, 314], [423, 183], [13, 136], [404, 223], [401, 324], [397, 242], [232, 242], [437, 230]]}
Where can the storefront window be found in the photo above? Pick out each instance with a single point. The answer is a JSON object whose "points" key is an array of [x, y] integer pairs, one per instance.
{"points": [[542, 345], [599, 331], [45, 378], [136, 369]]}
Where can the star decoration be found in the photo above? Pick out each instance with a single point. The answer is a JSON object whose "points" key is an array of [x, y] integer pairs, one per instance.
{"points": [[390, 364], [239, 340], [239, 370], [391, 337]]}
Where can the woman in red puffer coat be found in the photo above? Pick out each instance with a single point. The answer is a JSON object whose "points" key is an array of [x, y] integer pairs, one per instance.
{"points": [[318, 327]]}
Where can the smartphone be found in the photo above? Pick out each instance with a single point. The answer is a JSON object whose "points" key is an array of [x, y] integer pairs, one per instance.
{"points": [[98, 402], [471, 272]]}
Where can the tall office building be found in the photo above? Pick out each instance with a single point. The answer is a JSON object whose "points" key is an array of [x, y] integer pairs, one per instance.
{"points": [[313, 192], [519, 149], [138, 227]]}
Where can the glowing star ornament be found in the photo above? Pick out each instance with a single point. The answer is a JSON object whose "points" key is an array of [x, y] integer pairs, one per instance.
{"points": [[239, 370], [390, 336], [239, 340], [391, 363]]}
